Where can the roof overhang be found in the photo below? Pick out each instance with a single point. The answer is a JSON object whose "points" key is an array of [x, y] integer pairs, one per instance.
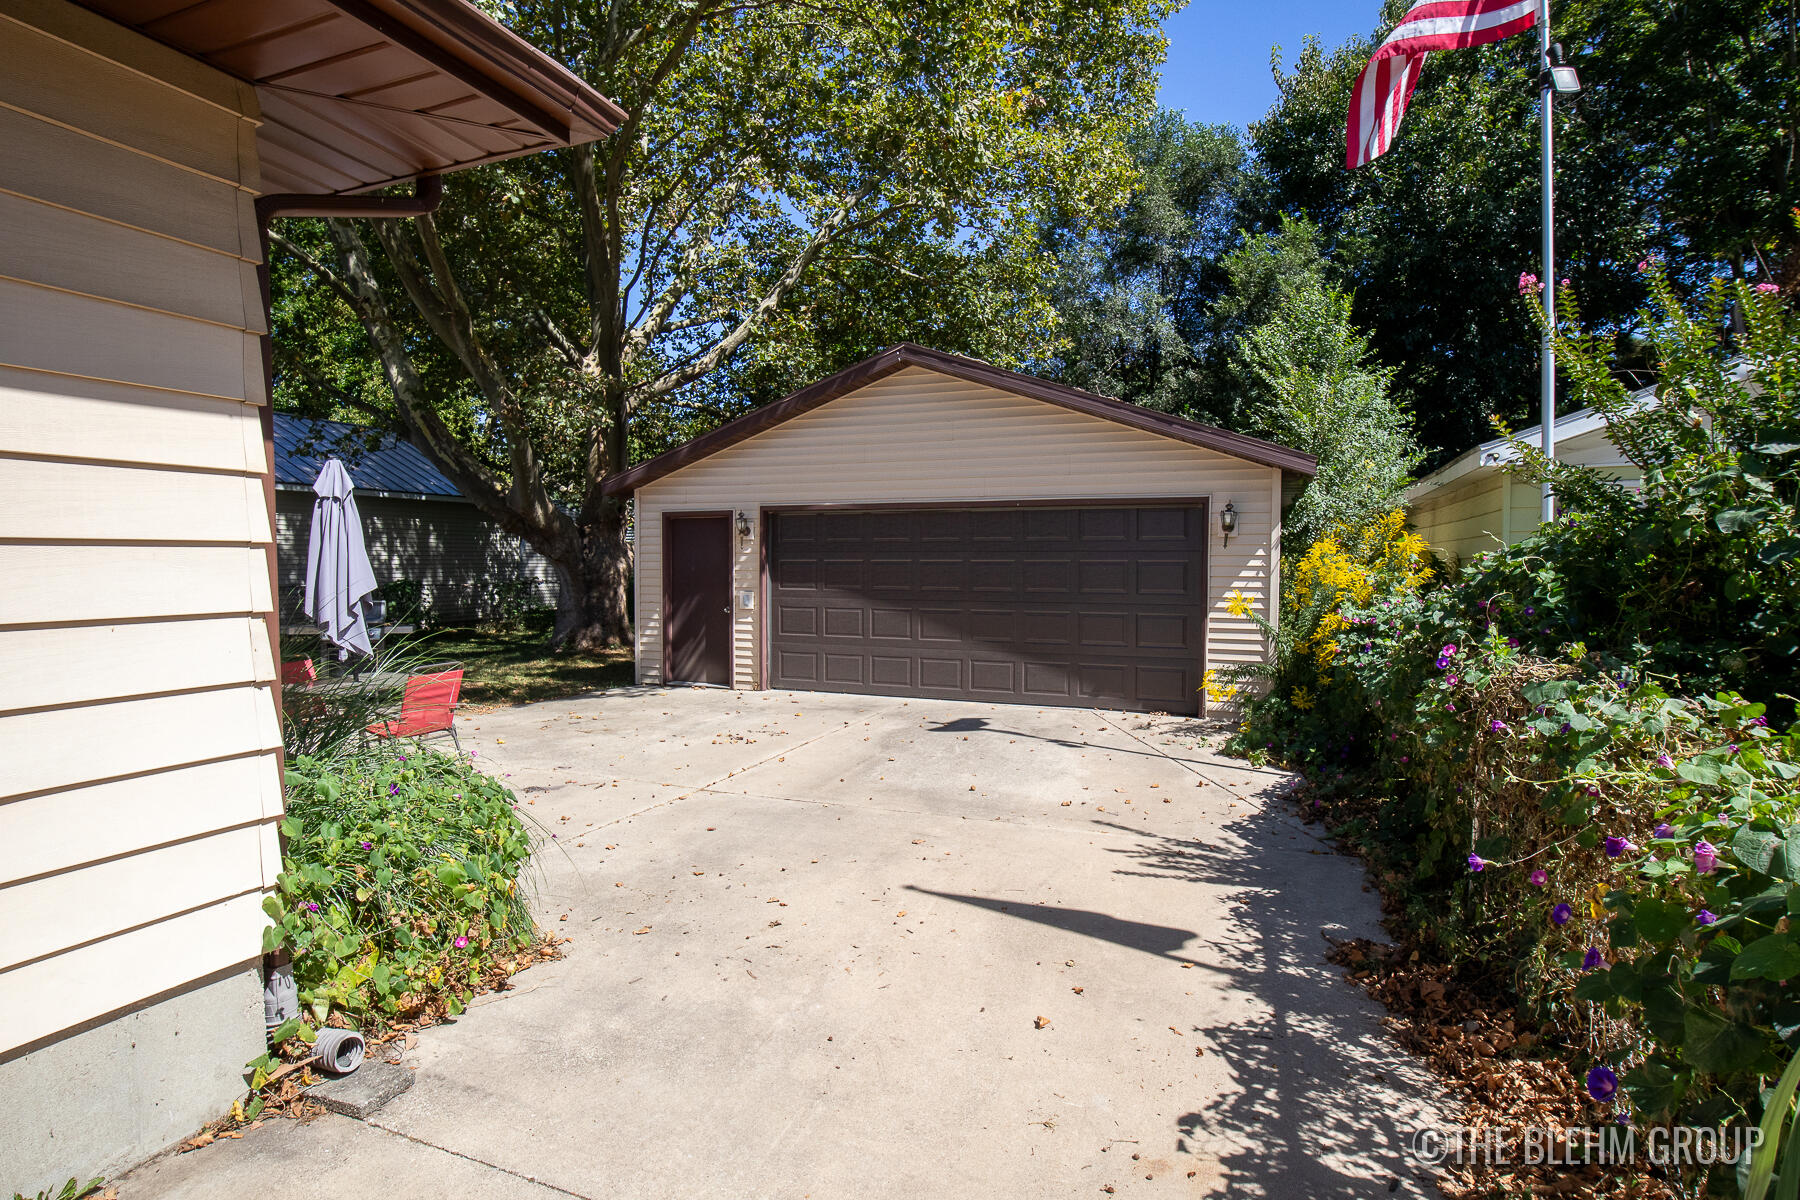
{"points": [[907, 354], [359, 94]]}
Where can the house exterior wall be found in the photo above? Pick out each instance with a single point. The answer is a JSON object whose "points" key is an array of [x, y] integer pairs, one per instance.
{"points": [[1489, 506], [455, 553], [920, 436], [140, 787]]}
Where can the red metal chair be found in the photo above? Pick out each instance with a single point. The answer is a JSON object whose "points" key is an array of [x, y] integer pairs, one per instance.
{"points": [[298, 673], [427, 706]]}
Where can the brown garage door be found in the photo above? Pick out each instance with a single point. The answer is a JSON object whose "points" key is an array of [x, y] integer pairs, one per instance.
{"points": [[1097, 607]]}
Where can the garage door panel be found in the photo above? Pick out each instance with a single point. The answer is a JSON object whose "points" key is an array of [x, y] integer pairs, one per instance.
{"points": [[892, 575], [992, 677], [1100, 525], [1162, 631], [999, 576], [941, 674], [1111, 629], [1052, 628], [1046, 681], [797, 666], [797, 574], [796, 620], [1165, 577], [891, 671], [1105, 576], [1094, 606], [1165, 524], [940, 625], [995, 626], [891, 623], [1049, 576]]}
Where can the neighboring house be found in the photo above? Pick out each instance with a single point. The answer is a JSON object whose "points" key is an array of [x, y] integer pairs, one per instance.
{"points": [[140, 780], [1475, 504], [416, 525], [923, 524]]}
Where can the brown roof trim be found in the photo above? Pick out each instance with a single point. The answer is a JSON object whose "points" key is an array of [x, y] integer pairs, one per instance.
{"points": [[908, 354], [356, 95]]}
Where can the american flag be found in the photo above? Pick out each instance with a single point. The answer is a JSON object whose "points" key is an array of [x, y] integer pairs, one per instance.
{"points": [[1385, 87]]}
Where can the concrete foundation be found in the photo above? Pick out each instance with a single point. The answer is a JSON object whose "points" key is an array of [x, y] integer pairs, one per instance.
{"points": [[102, 1100]]}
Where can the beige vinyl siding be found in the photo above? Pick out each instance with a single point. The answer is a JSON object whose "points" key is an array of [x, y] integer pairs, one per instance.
{"points": [[1462, 519], [920, 436], [447, 546], [137, 725]]}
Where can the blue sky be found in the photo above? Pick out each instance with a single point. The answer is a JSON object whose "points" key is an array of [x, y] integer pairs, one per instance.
{"points": [[1218, 67]]}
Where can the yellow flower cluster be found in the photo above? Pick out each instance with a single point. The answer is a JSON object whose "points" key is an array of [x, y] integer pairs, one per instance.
{"points": [[1238, 604], [1347, 567], [1218, 692], [1301, 699]]}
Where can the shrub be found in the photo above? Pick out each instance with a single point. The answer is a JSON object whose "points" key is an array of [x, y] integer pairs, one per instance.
{"points": [[1551, 760], [400, 883]]}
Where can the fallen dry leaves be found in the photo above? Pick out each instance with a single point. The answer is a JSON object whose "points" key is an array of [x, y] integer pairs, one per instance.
{"points": [[285, 1093], [1470, 1036]]}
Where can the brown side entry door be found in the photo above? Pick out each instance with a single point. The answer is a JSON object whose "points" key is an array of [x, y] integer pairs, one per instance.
{"points": [[1090, 606], [697, 598]]}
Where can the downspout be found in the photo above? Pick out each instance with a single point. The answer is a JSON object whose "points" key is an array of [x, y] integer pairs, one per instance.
{"points": [[279, 998]]}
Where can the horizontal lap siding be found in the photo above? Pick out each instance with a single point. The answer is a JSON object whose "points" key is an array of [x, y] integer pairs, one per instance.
{"points": [[447, 546], [137, 722], [921, 437], [1462, 519]]}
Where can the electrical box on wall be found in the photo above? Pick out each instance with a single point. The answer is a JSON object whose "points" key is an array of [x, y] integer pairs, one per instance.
{"points": [[745, 599]]}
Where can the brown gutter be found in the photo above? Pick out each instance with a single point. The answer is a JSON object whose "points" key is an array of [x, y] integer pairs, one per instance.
{"points": [[427, 195]]}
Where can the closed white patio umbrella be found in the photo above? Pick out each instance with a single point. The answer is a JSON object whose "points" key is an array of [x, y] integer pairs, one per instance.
{"points": [[338, 575]]}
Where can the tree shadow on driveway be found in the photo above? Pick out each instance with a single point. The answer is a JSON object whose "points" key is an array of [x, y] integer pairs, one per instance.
{"points": [[1324, 1103]]}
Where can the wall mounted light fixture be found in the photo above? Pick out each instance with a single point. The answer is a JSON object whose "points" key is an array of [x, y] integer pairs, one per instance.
{"points": [[743, 525], [1228, 521]]}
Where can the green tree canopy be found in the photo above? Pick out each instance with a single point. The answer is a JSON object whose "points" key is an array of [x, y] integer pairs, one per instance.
{"points": [[783, 166]]}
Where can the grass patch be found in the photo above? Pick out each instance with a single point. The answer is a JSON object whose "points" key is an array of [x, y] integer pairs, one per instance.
{"points": [[503, 667]]}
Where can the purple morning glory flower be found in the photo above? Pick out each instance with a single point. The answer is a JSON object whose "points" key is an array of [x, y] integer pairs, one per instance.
{"points": [[1616, 846], [1538, 878], [1477, 863], [1442, 663], [1530, 611], [1449, 708], [1513, 642], [311, 907], [1665, 830], [368, 845], [1664, 761], [1560, 914], [1732, 749], [1706, 857], [460, 942], [1758, 721], [393, 789], [1704, 918], [1591, 959], [1497, 725], [1448, 651], [1602, 1083]]}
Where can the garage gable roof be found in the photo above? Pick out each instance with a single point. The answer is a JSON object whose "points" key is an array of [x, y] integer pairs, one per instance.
{"points": [[908, 354]]}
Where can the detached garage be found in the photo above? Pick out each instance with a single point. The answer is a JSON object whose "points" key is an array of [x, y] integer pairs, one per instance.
{"points": [[923, 524]]}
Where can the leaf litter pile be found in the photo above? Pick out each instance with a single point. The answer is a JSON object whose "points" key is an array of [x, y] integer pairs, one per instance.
{"points": [[1504, 1077], [285, 1095]]}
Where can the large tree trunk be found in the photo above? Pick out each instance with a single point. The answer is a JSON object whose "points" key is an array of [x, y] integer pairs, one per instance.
{"points": [[594, 613]]}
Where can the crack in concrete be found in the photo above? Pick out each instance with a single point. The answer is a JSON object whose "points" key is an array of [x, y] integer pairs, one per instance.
{"points": [[481, 1162]]}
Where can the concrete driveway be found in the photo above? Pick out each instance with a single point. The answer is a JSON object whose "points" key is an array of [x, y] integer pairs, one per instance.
{"points": [[814, 939]]}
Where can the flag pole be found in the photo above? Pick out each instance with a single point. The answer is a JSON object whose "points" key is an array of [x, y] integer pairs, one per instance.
{"points": [[1547, 383]]}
